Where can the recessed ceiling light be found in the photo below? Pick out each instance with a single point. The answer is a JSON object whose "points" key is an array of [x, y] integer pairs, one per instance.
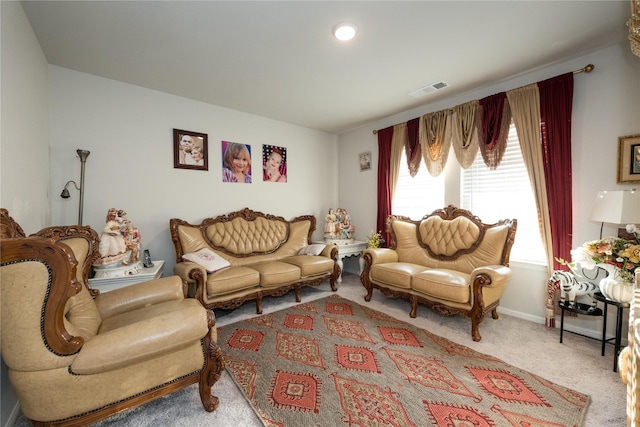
{"points": [[345, 31]]}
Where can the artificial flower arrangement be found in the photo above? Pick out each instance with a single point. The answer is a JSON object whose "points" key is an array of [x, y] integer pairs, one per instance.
{"points": [[621, 253], [375, 239]]}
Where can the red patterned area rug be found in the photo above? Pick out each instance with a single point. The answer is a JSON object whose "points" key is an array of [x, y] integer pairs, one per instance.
{"points": [[333, 362]]}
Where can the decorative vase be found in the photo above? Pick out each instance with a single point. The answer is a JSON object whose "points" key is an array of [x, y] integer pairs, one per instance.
{"points": [[616, 289]]}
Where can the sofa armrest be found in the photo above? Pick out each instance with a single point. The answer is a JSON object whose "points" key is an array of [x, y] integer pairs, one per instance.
{"points": [[195, 276], [330, 251], [139, 295], [499, 274], [381, 255], [142, 340]]}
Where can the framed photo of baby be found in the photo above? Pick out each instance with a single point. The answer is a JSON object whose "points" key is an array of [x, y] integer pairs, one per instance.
{"points": [[274, 163], [236, 162], [190, 150]]}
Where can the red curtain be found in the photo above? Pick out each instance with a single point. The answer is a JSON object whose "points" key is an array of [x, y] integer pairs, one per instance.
{"points": [[412, 147], [384, 191], [556, 102]]}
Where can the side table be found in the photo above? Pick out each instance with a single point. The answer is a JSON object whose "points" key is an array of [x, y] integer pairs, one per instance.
{"points": [[111, 283], [578, 308], [620, 308], [348, 250]]}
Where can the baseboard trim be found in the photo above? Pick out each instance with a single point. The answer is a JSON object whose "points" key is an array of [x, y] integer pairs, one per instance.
{"points": [[13, 416], [590, 333]]}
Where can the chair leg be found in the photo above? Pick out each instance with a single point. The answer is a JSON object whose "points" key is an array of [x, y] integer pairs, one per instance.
{"points": [[414, 306], [214, 364]]}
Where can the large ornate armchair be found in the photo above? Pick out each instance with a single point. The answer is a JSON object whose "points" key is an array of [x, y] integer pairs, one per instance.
{"points": [[74, 359]]}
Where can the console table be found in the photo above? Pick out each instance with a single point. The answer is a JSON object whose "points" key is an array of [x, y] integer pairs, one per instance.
{"points": [[111, 283]]}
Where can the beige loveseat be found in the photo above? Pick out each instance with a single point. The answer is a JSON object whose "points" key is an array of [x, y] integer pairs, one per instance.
{"points": [[448, 260], [263, 253]]}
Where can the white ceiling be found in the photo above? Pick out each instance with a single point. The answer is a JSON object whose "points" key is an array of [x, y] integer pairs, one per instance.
{"points": [[279, 59]]}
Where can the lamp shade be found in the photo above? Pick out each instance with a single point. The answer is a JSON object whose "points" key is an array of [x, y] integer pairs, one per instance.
{"points": [[617, 207]]}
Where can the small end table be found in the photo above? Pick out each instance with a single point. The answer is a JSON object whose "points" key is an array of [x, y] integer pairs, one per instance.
{"points": [[578, 308], [620, 308], [109, 284], [347, 250]]}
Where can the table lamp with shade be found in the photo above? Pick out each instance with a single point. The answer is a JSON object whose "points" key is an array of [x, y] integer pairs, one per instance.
{"points": [[616, 207]]}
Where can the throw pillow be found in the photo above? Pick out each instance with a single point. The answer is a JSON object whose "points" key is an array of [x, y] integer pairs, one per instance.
{"points": [[315, 249], [208, 259]]}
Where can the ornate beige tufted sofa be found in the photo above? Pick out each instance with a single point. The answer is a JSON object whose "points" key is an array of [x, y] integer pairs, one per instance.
{"points": [[74, 356], [263, 253], [448, 260]]}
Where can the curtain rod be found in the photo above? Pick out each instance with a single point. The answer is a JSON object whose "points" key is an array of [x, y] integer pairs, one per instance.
{"points": [[587, 69]]}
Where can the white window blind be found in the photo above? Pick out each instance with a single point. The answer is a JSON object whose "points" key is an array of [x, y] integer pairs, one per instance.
{"points": [[504, 193], [492, 195]]}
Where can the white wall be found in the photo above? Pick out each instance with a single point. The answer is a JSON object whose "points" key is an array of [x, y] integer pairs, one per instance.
{"points": [[24, 150], [24, 145], [49, 112], [605, 106], [129, 132]]}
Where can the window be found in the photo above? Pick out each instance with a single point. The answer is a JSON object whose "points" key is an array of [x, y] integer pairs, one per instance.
{"points": [[492, 195], [417, 196], [505, 193]]}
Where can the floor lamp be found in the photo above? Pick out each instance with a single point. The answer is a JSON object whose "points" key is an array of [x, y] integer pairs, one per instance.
{"points": [[83, 154], [616, 207]]}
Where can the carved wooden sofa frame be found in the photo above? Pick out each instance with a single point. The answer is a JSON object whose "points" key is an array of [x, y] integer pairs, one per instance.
{"points": [[280, 248], [55, 247], [433, 261]]}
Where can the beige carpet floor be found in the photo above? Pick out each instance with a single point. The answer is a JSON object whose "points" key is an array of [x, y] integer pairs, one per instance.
{"points": [[576, 363]]}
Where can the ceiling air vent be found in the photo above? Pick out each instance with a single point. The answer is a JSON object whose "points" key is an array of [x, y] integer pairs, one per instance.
{"points": [[428, 89]]}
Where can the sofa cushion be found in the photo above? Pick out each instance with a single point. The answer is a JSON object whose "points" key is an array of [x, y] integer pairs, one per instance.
{"points": [[396, 274], [208, 259], [275, 273], [311, 265], [315, 249], [447, 237], [230, 280], [440, 283]]}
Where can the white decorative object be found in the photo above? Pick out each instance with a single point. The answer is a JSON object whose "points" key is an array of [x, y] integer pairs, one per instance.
{"points": [[119, 245], [616, 290], [570, 286], [338, 228]]}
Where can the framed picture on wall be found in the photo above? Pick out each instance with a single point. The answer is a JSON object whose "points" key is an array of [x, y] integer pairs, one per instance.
{"points": [[190, 150], [628, 159], [274, 163], [365, 161], [236, 162]]}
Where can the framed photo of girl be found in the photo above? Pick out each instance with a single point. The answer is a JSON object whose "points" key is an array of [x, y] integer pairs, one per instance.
{"points": [[628, 159], [190, 150], [236, 162]]}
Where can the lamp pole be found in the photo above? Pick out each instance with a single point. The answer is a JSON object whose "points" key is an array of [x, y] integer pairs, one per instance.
{"points": [[83, 154]]}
